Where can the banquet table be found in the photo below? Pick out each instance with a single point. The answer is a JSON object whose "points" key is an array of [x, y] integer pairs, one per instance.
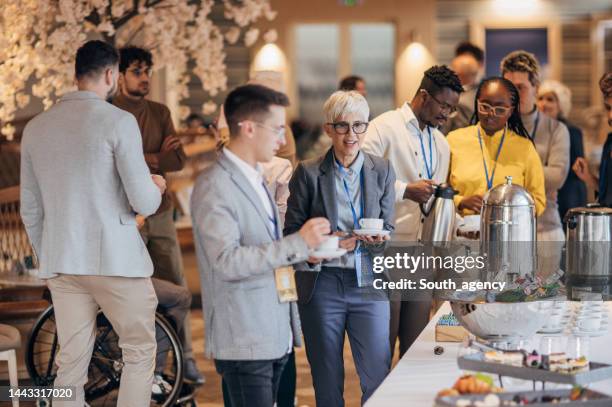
{"points": [[420, 374]]}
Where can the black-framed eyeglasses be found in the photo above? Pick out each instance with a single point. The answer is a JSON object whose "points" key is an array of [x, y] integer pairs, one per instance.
{"points": [[499, 111], [343, 127], [443, 106], [140, 71]]}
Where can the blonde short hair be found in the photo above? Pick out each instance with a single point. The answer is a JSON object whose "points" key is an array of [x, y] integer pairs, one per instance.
{"points": [[561, 92], [343, 102], [522, 61]]}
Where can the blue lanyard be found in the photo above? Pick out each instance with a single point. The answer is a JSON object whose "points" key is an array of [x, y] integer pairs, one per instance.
{"points": [[428, 167], [535, 126], [272, 219], [484, 162], [348, 194]]}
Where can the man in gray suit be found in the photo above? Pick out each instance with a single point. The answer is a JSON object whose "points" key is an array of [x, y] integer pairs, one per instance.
{"points": [[250, 325], [83, 179]]}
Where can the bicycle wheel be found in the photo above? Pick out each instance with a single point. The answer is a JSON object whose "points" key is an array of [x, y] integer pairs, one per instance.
{"points": [[106, 364], [42, 348]]}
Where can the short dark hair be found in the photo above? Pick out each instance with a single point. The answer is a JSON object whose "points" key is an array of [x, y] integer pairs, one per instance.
{"points": [[350, 82], [468, 48], [129, 55], [439, 77], [605, 85], [248, 102], [93, 57], [194, 116]]}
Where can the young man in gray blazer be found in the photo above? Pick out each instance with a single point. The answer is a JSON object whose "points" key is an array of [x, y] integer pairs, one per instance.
{"points": [[83, 179], [250, 327]]}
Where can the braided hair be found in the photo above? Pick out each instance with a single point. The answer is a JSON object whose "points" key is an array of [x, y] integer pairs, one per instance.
{"points": [[514, 121]]}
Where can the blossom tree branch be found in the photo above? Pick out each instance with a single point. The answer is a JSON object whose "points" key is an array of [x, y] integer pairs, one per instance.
{"points": [[40, 37]]}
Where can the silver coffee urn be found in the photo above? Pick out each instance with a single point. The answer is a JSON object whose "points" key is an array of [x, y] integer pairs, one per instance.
{"points": [[588, 260], [508, 233]]}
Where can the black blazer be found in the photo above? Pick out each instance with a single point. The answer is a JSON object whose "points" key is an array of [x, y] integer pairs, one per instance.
{"points": [[573, 193], [313, 194]]}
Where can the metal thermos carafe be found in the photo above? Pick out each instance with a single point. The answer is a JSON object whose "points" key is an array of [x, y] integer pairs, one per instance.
{"points": [[439, 220]]}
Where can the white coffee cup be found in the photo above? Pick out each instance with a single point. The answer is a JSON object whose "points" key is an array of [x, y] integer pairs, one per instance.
{"points": [[330, 244], [588, 324], [371, 223], [590, 314], [554, 320]]}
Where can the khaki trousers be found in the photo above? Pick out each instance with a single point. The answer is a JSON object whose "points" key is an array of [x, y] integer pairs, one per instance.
{"points": [[159, 235], [129, 305]]}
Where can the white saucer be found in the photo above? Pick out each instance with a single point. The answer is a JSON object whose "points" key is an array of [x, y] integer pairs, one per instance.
{"points": [[551, 330], [371, 232], [328, 253], [601, 331]]}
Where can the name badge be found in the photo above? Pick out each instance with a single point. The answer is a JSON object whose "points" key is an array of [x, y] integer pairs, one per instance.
{"points": [[285, 284]]}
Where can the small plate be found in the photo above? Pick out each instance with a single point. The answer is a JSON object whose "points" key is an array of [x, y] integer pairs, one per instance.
{"points": [[371, 232], [599, 332], [328, 253]]}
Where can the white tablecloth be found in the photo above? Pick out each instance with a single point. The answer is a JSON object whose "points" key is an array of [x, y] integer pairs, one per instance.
{"points": [[420, 374]]}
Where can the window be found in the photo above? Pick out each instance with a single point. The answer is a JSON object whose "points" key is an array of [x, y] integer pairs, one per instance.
{"points": [[327, 52]]}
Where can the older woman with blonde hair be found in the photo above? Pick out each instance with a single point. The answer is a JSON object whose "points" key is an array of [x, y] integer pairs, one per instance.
{"points": [[555, 100], [344, 185]]}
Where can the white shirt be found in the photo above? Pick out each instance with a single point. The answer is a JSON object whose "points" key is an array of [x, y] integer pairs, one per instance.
{"points": [[255, 178], [277, 173], [394, 135]]}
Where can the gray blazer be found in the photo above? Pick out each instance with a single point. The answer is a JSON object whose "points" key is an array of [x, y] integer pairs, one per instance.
{"points": [[237, 255], [83, 179], [312, 193]]}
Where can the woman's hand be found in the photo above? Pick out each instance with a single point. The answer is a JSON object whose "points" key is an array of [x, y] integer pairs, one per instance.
{"points": [[348, 243], [581, 169], [375, 239], [472, 203]]}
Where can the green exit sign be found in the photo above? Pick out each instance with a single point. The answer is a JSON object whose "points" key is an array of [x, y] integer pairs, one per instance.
{"points": [[350, 3]]}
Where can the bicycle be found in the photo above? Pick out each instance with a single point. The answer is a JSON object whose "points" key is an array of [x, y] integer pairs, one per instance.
{"points": [[105, 367]]}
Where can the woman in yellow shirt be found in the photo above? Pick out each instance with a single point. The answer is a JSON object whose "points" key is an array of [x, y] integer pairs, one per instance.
{"points": [[495, 146]]}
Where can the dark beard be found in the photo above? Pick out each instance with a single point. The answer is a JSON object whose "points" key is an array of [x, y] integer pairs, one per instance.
{"points": [[137, 93]]}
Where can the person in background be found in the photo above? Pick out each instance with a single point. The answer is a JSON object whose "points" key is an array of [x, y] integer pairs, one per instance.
{"points": [[602, 184], [408, 137], [345, 185], [496, 145], [354, 82], [468, 64], [251, 322], [195, 122], [552, 142], [555, 100], [83, 179], [163, 153]]}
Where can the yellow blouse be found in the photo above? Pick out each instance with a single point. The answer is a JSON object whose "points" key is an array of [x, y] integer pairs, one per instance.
{"points": [[517, 158]]}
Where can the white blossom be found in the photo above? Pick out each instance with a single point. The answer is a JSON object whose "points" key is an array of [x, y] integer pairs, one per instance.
{"points": [[232, 35], [270, 36], [39, 39], [250, 37], [209, 107]]}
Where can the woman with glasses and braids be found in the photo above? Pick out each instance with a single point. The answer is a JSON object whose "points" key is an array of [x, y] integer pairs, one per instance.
{"points": [[345, 185], [494, 146]]}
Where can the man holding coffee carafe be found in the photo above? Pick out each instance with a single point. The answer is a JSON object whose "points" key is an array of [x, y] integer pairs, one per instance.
{"points": [[409, 137], [355, 191]]}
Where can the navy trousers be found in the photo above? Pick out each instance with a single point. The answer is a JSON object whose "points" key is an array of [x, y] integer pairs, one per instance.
{"points": [[337, 307]]}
